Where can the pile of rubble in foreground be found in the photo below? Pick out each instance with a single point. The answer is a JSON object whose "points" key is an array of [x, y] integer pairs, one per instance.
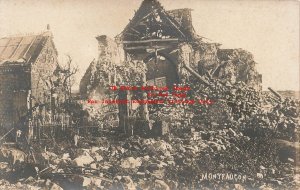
{"points": [[200, 159]]}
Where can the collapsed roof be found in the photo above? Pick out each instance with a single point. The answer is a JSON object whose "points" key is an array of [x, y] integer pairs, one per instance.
{"points": [[151, 21]]}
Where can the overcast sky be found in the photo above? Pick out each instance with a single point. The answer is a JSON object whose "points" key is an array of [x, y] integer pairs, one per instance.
{"points": [[268, 29]]}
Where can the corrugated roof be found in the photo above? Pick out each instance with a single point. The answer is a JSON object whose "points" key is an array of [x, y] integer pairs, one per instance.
{"points": [[22, 49]]}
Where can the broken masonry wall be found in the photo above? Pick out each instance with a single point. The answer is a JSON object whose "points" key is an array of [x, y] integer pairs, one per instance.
{"points": [[184, 54], [198, 56], [244, 66], [109, 51], [206, 54], [185, 58], [100, 75], [111, 68], [228, 72], [87, 80], [184, 18], [111, 55], [232, 65], [95, 81], [102, 72]]}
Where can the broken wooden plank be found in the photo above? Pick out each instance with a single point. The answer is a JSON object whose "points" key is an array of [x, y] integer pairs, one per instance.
{"points": [[6, 134], [275, 93], [178, 29], [134, 30], [204, 81]]}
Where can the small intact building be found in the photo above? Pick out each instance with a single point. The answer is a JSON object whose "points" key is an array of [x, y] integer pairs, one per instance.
{"points": [[26, 62]]}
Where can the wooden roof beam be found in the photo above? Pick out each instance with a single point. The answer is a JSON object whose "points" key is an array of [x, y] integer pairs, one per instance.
{"points": [[148, 47], [152, 40], [149, 14], [134, 30], [137, 23], [165, 14], [127, 33]]}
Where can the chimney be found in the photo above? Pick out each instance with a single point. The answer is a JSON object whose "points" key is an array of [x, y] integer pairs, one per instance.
{"points": [[47, 32]]}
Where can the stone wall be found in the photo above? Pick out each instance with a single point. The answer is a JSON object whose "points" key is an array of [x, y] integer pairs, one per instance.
{"points": [[240, 63], [41, 76], [229, 65], [206, 54], [102, 72]]}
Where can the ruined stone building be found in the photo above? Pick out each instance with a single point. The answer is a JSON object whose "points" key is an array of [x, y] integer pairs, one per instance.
{"points": [[166, 43], [26, 63]]}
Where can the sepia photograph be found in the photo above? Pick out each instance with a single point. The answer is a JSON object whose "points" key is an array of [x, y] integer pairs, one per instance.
{"points": [[149, 94]]}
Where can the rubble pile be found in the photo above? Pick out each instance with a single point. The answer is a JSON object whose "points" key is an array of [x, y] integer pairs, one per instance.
{"points": [[230, 103], [7, 185], [236, 135], [260, 119], [169, 162], [134, 162]]}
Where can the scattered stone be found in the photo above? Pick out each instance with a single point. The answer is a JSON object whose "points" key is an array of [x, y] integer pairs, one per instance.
{"points": [[262, 167], [232, 132], [291, 160], [159, 184], [238, 187], [131, 162], [98, 158], [259, 175], [86, 181], [55, 187]]}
